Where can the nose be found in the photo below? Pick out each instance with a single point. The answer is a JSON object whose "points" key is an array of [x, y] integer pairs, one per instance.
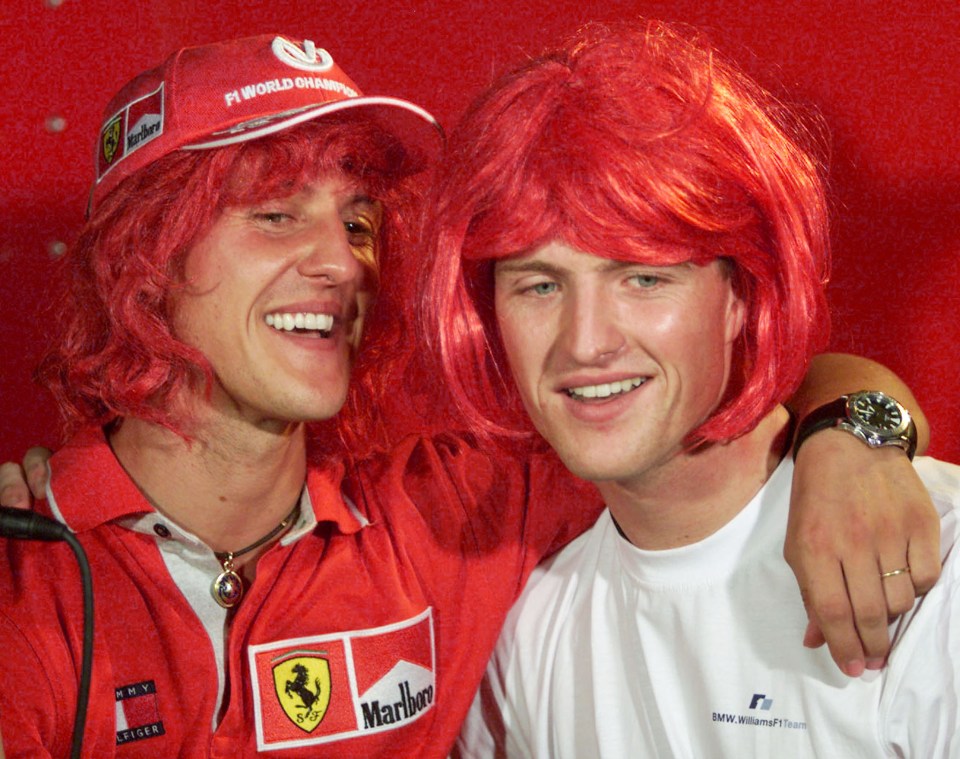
{"points": [[327, 254], [593, 335]]}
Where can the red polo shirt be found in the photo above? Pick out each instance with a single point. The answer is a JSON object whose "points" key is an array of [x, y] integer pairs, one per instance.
{"points": [[365, 633]]}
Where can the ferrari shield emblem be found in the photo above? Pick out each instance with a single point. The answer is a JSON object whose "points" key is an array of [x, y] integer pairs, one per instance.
{"points": [[110, 139], [302, 683]]}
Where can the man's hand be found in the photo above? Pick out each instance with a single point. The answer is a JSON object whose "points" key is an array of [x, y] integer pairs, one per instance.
{"points": [[856, 513], [19, 486]]}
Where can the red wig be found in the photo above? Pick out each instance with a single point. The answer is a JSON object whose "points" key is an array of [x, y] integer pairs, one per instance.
{"points": [[116, 354], [636, 144]]}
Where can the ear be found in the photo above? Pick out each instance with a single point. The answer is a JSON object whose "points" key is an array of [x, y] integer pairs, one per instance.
{"points": [[736, 315]]}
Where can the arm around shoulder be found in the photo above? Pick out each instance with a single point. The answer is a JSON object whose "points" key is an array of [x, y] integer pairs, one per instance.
{"points": [[858, 513]]}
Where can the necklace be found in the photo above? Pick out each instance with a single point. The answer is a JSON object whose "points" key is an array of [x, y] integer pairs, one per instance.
{"points": [[227, 588]]}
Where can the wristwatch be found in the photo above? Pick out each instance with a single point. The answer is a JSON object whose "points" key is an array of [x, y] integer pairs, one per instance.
{"points": [[871, 415]]}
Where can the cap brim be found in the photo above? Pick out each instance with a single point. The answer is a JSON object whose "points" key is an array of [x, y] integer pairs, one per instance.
{"points": [[414, 127]]}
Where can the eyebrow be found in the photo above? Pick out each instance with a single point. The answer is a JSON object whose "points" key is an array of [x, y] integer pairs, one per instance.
{"points": [[513, 266], [519, 265], [362, 200], [361, 197]]}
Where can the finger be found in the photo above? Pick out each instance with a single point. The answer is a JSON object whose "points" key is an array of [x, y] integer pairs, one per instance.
{"points": [[828, 606], [923, 556], [895, 579], [869, 602], [13, 489], [35, 466], [898, 590], [813, 635]]}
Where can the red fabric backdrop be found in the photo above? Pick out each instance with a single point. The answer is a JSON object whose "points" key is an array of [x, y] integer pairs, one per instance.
{"points": [[884, 75]]}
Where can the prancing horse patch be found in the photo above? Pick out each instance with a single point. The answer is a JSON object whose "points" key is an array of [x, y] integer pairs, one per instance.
{"points": [[314, 690]]}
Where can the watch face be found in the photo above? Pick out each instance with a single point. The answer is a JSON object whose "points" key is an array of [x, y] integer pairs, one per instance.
{"points": [[877, 411]]}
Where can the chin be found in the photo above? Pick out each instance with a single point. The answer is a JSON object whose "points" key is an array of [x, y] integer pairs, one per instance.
{"points": [[599, 468], [311, 406], [587, 470]]}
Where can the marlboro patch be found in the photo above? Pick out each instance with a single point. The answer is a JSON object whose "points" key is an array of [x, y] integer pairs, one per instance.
{"points": [[315, 690]]}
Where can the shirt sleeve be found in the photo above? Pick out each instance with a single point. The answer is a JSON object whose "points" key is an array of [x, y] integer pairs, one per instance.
{"points": [[30, 707], [478, 499]]}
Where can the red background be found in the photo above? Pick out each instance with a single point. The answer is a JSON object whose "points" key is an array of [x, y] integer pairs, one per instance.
{"points": [[883, 74]]}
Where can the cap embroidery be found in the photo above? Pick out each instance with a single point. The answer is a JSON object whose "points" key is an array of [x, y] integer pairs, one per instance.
{"points": [[139, 122], [308, 58]]}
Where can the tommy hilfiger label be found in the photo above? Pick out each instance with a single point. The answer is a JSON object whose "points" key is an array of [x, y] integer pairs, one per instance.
{"points": [[138, 714], [314, 690]]}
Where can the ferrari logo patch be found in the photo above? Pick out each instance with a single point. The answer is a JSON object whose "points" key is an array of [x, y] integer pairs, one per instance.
{"points": [[302, 682], [110, 139], [320, 689]]}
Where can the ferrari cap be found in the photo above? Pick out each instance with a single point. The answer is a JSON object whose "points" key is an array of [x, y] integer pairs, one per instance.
{"points": [[229, 92]]}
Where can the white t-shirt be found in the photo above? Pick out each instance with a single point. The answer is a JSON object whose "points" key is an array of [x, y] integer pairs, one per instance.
{"points": [[696, 652]]}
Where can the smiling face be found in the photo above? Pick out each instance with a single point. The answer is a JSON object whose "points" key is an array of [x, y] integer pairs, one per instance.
{"points": [[275, 298], [616, 362]]}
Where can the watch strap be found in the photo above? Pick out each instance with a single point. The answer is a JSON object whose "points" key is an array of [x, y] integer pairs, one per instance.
{"points": [[828, 416]]}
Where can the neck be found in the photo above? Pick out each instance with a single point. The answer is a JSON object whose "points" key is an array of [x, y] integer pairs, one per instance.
{"points": [[228, 486], [696, 493]]}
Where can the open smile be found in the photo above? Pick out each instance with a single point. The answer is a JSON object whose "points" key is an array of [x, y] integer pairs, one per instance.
{"points": [[301, 322], [604, 390]]}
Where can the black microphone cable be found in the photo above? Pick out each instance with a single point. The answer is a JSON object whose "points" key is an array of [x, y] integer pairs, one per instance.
{"points": [[27, 525]]}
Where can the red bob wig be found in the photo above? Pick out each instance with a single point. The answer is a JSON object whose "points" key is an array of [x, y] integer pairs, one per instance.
{"points": [[636, 144], [115, 354]]}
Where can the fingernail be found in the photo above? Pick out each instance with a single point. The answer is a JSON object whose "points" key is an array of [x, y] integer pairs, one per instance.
{"points": [[875, 663], [854, 668]]}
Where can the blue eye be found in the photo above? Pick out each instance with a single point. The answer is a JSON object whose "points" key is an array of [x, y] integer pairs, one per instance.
{"points": [[543, 288], [645, 281]]}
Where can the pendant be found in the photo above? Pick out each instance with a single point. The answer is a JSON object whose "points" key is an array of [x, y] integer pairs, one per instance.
{"points": [[227, 589]]}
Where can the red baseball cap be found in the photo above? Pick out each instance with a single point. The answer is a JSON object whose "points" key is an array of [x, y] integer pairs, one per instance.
{"points": [[228, 92]]}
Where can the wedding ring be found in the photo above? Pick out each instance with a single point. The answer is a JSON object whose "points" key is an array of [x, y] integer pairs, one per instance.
{"points": [[895, 572]]}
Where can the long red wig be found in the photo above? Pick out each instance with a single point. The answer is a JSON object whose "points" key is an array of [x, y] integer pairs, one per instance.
{"points": [[115, 353]]}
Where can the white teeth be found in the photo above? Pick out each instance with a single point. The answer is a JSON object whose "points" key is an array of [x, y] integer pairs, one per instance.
{"points": [[287, 322], [606, 389]]}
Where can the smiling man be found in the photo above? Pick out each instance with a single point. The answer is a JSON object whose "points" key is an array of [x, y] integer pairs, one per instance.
{"points": [[650, 271], [215, 304], [248, 602]]}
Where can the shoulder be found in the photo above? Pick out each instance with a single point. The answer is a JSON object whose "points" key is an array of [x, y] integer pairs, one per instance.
{"points": [[478, 496], [559, 588], [442, 472]]}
